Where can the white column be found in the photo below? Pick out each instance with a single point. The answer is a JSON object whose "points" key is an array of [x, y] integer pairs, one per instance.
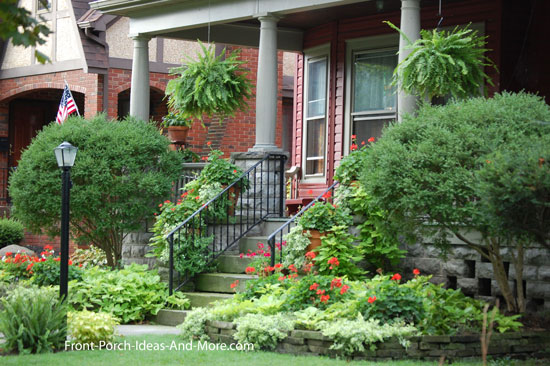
{"points": [[139, 92], [410, 25], [266, 85]]}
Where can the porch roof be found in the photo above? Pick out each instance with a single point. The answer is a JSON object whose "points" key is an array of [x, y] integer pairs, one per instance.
{"points": [[234, 21]]}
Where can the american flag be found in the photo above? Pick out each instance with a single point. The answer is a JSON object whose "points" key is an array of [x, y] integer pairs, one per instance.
{"points": [[66, 106]]}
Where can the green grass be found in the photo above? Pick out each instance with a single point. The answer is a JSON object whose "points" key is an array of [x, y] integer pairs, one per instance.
{"points": [[196, 357]]}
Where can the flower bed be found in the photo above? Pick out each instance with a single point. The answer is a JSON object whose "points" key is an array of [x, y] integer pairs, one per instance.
{"points": [[300, 342]]}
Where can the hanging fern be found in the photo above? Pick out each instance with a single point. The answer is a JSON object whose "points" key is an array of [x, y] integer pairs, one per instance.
{"points": [[209, 86], [444, 63]]}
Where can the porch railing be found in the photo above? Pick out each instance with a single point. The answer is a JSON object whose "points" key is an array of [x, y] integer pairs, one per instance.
{"points": [[190, 172], [221, 222], [287, 226]]}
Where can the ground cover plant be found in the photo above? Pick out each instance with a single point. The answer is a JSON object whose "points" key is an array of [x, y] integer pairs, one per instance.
{"points": [[121, 170], [438, 174]]}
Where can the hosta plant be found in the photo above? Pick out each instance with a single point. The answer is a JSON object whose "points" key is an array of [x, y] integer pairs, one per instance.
{"points": [[91, 328]]}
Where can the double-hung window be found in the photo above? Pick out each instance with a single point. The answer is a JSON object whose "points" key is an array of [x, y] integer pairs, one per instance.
{"points": [[315, 116], [374, 99]]}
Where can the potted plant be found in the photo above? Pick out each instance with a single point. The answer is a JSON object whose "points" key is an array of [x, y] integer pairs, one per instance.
{"points": [[319, 220], [224, 172], [177, 126], [443, 63], [209, 86]]}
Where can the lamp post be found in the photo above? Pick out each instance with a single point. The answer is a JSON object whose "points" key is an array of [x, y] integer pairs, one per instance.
{"points": [[65, 155]]}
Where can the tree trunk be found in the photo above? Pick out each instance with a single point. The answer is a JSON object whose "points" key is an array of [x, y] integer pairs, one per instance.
{"points": [[518, 266], [500, 274]]}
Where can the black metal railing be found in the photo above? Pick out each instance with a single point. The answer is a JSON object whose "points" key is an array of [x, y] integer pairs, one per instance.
{"points": [[190, 172], [275, 246], [221, 222]]}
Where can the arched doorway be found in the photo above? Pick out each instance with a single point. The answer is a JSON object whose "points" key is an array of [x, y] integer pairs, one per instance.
{"points": [[157, 104]]}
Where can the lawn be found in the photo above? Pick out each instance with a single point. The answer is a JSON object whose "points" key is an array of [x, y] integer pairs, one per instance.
{"points": [[196, 357]]}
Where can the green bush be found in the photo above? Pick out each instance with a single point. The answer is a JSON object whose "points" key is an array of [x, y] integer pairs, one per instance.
{"points": [[122, 168], [87, 327], [424, 172], [264, 331], [11, 232], [338, 256], [47, 273], [33, 320], [92, 256], [130, 294]]}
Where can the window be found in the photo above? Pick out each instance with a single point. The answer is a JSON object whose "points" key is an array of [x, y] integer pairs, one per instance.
{"points": [[374, 99], [44, 6], [315, 116]]}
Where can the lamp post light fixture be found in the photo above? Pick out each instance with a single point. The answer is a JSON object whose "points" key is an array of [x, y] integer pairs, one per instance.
{"points": [[65, 155]]}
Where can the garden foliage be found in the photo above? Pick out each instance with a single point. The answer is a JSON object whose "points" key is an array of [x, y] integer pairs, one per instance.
{"points": [[11, 232], [33, 320], [121, 170], [434, 175], [87, 327]]}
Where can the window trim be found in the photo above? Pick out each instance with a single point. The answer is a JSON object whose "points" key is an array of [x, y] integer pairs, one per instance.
{"points": [[319, 52], [375, 44]]}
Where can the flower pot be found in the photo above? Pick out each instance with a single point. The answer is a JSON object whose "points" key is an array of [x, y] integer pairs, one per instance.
{"points": [[233, 196], [178, 134], [314, 239]]}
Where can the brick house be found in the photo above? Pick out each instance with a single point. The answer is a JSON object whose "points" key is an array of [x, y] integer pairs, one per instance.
{"points": [[93, 53]]}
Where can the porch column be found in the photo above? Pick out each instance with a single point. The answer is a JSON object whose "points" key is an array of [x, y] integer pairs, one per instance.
{"points": [[266, 85], [410, 25], [139, 92]]}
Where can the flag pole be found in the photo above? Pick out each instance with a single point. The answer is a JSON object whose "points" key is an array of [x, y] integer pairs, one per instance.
{"points": [[69, 89]]}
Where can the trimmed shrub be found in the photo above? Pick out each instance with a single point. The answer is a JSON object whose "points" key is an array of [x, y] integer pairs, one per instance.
{"points": [[33, 320], [11, 232], [91, 328], [121, 170]]}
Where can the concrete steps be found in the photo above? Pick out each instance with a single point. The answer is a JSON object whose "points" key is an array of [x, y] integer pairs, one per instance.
{"points": [[221, 282], [233, 263], [203, 299]]}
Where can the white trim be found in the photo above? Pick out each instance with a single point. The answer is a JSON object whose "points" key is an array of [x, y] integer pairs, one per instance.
{"points": [[318, 52]]}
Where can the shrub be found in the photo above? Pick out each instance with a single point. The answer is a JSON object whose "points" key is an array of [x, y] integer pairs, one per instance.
{"points": [[264, 331], [423, 172], [121, 169], [194, 325], [33, 320], [318, 291], [297, 240], [129, 294], [11, 232], [91, 328], [46, 273]]}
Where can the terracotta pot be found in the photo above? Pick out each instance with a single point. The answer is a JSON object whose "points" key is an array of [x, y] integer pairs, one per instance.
{"points": [[178, 134], [314, 239], [233, 198]]}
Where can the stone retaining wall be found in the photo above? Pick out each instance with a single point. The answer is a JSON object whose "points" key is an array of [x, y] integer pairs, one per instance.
{"points": [[306, 342]]}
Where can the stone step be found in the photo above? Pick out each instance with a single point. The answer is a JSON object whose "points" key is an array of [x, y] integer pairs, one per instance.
{"points": [[202, 299], [233, 263], [221, 282], [251, 243], [271, 224], [170, 317]]}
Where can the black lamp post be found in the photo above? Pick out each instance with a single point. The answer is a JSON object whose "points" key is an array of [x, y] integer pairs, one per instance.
{"points": [[65, 155]]}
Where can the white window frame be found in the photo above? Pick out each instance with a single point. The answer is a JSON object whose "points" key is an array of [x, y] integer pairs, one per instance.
{"points": [[375, 44], [312, 55]]}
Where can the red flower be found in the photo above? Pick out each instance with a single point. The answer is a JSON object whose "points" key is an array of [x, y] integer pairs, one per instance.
{"points": [[320, 292], [80, 265], [325, 298], [334, 261], [282, 278], [310, 191], [362, 142], [48, 247], [327, 195], [353, 147], [278, 266], [313, 287], [234, 284], [416, 271], [337, 282], [269, 269], [396, 277], [209, 143], [307, 267], [8, 254], [266, 254], [311, 255], [57, 259], [353, 137], [371, 139], [70, 262], [293, 268], [344, 289], [29, 267], [371, 299], [241, 255], [234, 170], [249, 270], [204, 158], [260, 246]]}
